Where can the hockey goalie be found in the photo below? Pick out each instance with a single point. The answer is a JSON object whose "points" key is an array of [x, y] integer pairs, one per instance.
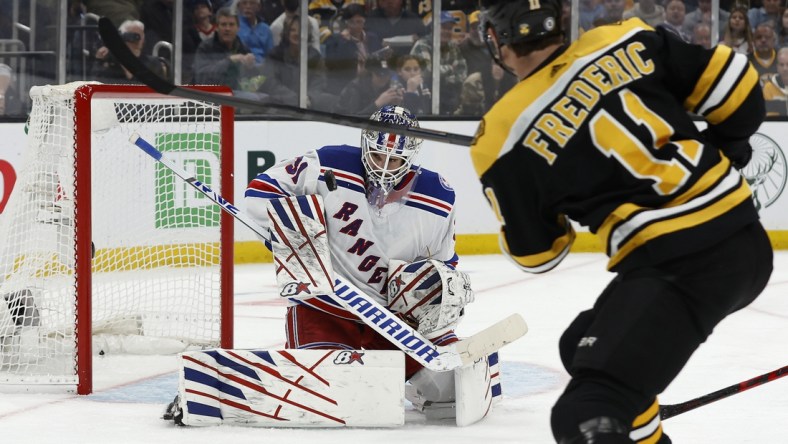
{"points": [[367, 218]]}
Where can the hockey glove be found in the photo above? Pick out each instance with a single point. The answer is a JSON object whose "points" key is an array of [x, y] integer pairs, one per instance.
{"points": [[738, 151]]}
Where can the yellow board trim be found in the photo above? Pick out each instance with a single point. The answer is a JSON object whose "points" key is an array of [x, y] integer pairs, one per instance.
{"points": [[252, 252]]}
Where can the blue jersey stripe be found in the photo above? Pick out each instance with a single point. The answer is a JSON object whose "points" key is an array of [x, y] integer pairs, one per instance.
{"points": [[427, 208], [262, 194]]}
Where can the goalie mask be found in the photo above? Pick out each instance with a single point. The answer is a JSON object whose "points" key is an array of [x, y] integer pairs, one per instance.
{"points": [[387, 157]]}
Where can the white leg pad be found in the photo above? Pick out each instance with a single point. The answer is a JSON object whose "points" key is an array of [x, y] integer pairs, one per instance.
{"points": [[293, 388], [473, 385]]}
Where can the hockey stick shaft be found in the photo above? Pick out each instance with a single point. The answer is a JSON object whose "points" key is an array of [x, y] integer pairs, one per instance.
{"points": [[113, 41], [372, 313], [671, 410]]}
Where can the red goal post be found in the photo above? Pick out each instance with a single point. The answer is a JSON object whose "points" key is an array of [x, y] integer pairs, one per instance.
{"points": [[105, 251]]}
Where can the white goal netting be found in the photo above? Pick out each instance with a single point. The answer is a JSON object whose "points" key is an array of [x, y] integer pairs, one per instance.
{"points": [[156, 244]]}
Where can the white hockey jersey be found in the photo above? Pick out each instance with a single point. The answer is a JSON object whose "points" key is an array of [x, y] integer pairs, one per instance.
{"points": [[362, 237]]}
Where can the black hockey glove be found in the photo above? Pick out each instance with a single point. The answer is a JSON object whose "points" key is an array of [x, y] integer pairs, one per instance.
{"points": [[738, 151]]}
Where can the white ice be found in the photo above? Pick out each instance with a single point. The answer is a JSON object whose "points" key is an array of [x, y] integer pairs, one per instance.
{"points": [[131, 392]]}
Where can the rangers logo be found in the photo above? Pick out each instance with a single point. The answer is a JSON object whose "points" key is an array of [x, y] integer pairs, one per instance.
{"points": [[348, 357]]}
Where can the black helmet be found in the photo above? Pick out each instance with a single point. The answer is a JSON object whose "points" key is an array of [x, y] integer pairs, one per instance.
{"points": [[520, 21]]}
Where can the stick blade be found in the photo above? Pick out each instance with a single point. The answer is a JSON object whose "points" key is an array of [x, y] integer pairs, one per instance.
{"points": [[491, 338]]}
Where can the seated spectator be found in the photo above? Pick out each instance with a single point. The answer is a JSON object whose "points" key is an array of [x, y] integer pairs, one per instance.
{"points": [[473, 49], [648, 11], [9, 97], [283, 75], [738, 34], [703, 15], [398, 27], [416, 88], [453, 67], [253, 32], [224, 59], [291, 9], [347, 50], [203, 26], [701, 35], [372, 89], [612, 12], [482, 89], [675, 12], [775, 90], [764, 54], [769, 12], [111, 71], [329, 11]]}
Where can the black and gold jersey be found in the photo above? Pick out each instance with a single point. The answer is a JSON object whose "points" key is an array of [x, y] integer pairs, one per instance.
{"points": [[601, 134]]}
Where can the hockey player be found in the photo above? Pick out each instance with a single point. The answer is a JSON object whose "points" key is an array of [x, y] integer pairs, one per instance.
{"points": [[598, 132], [390, 228]]}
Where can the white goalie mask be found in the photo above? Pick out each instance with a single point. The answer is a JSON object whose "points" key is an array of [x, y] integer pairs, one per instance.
{"points": [[387, 157]]}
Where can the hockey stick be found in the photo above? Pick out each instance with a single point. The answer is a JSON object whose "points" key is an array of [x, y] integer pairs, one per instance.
{"points": [[671, 410], [372, 313], [113, 41]]}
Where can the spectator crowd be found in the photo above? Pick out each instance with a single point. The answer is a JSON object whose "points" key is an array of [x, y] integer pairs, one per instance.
{"points": [[364, 54]]}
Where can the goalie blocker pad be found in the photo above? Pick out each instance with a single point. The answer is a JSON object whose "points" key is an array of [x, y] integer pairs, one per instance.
{"points": [[292, 388], [300, 246]]}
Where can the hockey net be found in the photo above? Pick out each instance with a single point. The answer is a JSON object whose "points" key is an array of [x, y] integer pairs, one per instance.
{"points": [[104, 250]]}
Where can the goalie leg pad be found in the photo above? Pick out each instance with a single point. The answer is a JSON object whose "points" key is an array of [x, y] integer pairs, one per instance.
{"points": [[473, 385], [465, 394], [292, 388], [300, 246]]}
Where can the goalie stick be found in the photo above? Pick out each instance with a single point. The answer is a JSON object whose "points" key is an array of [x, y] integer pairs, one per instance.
{"points": [[671, 410], [372, 313], [113, 41]]}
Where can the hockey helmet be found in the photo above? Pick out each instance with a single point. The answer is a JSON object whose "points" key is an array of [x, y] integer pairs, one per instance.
{"points": [[387, 157], [518, 21]]}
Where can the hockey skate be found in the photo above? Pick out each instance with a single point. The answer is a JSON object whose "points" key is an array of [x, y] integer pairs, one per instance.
{"points": [[173, 411]]}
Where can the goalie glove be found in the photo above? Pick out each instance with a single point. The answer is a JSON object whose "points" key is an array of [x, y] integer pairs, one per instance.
{"points": [[428, 294]]}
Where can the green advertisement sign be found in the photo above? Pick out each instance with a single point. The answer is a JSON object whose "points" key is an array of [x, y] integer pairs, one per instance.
{"points": [[178, 204]]}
